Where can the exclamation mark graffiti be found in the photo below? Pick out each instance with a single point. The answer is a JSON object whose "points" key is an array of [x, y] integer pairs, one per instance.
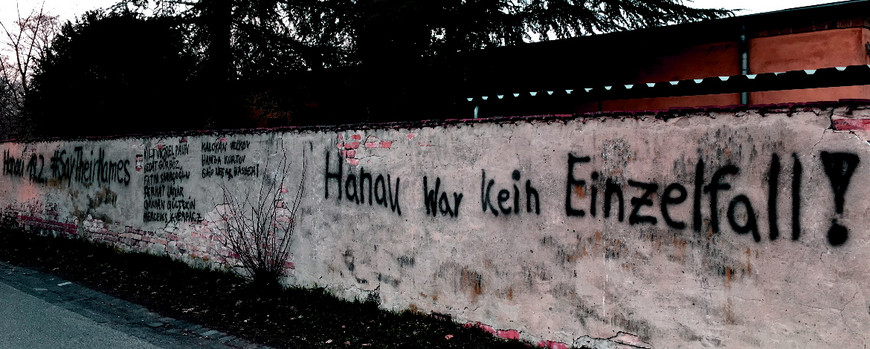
{"points": [[839, 167]]}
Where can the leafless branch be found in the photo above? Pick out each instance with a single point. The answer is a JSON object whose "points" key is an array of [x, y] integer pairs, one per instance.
{"points": [[22, 45], [258, 228]]}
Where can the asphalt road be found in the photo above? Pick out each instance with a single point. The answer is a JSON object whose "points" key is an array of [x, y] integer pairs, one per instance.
{"points": [[40, 310]]}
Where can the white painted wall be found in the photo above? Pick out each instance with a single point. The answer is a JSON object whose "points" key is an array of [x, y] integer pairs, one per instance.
{"points": [[515, 252]]}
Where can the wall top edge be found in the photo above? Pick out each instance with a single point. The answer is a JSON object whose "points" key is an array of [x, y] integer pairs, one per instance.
{"points": [[663, 114]]}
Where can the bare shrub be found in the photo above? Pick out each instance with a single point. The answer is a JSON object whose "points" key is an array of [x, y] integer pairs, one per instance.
{"points": [[258, 226]]}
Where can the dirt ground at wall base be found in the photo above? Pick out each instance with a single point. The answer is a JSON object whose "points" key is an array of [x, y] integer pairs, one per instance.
{"points": [[295, 318]]}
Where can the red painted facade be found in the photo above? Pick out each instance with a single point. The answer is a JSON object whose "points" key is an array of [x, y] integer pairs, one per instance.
{"points": [[793, 41]]}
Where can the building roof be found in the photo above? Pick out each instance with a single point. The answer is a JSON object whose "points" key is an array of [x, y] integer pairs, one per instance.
{"points": [[605, 66]]}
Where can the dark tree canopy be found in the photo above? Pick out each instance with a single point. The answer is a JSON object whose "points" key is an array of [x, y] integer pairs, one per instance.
{"points": [[211, 63], [424, 28], [269, 37], [114, 73]]}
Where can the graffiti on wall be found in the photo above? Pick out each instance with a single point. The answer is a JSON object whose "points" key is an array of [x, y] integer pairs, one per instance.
{"points": [[366, 188], [839, 167], [709, 198], [741, 215], [80, 166], [506, 200], [227, 159], [711, 201], [437, 201], [164, 189]]}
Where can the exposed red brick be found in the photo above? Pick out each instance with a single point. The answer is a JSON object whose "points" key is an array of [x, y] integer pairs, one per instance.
{"points": [[508, 334], [485, 328], [852, 124]]}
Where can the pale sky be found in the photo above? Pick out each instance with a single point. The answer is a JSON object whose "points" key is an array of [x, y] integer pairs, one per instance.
{"points": [[70, 9], [66, 9], [756, 6]]}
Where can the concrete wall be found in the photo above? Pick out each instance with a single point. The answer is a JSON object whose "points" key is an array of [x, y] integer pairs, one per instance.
{"points": [[735, 228]]}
